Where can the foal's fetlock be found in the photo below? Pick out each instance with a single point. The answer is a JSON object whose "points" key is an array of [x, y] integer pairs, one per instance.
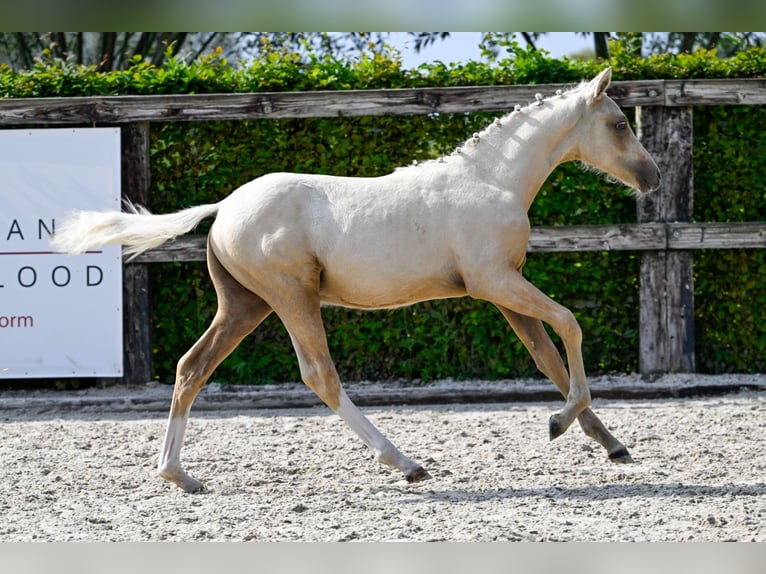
{"points": [[561, 421]]}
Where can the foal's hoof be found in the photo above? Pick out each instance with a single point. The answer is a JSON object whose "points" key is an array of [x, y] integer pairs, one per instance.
{"points": [[621, 455], [555, 430], [417, 474], [198, 489], [182, 480], [191, 485]]}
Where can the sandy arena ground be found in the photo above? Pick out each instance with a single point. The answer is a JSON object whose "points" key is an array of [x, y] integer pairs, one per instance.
{"points": [[88, 473]]}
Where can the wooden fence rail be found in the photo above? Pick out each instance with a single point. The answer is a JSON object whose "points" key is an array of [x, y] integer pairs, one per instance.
{"points": [[400, 101], [624, 237], [665, 236]]}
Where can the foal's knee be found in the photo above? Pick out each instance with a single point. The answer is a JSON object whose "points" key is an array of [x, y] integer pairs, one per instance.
{"points": [[568, 328]]}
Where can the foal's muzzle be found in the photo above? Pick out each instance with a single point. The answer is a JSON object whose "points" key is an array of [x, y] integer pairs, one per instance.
{"points": [[650, 180]]}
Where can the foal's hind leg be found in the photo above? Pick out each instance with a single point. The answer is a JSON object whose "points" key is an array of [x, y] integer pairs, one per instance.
{"points": [[300, 313], [239, 312], [547, 358]]}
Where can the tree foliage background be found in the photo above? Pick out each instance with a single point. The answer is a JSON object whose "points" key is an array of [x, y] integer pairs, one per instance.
{"points": [[119, 50]]}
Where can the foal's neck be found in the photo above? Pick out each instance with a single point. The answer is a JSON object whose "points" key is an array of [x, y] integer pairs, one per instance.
{"points": [[519, 151]]}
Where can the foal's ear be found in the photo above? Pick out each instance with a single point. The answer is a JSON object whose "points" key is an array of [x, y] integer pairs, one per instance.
{"points": [[600, 83]]}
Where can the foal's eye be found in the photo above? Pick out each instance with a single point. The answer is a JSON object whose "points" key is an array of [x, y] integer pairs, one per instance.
{"points": [[621, 125]]}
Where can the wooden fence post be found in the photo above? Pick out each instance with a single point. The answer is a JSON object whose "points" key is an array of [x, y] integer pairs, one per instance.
{"points": [[666, 291], [136, 304]]}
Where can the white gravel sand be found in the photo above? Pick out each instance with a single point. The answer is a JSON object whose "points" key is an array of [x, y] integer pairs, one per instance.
{"points": [[88, 473]]}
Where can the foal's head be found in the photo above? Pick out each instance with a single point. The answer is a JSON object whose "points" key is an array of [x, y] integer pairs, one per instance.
{"points": [[607, 142]]}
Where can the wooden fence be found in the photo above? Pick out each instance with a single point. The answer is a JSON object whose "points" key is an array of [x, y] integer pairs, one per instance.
{"points": [[664, 236]]}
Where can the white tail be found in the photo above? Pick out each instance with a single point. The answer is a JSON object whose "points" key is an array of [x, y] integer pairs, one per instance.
{"points": [[137, 230]]}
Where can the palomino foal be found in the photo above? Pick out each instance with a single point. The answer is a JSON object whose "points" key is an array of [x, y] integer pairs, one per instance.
{"points": [[451, 227]]}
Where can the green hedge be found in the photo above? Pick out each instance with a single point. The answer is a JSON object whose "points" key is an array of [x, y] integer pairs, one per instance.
{"points": [[194, 163], [730, 286]]}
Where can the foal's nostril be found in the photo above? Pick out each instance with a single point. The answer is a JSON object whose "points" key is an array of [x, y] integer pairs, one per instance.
{"points": [[655, 185], [659, 180], [651, 181]]}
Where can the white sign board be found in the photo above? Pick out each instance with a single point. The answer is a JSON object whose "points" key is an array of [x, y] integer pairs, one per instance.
{"points": [[60, 315]]}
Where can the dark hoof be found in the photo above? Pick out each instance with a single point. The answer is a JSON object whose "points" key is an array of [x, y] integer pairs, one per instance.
{"points": [[622, 455], [196, 488], [417, 475], [554, 429]]}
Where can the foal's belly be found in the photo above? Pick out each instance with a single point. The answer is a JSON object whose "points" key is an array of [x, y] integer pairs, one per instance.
{"points": [[369, 293]]}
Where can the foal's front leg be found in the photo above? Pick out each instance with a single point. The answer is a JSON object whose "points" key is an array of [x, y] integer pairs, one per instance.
{"points": [[537, 341], [302, 318], [384, 451], [510, 290]]}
